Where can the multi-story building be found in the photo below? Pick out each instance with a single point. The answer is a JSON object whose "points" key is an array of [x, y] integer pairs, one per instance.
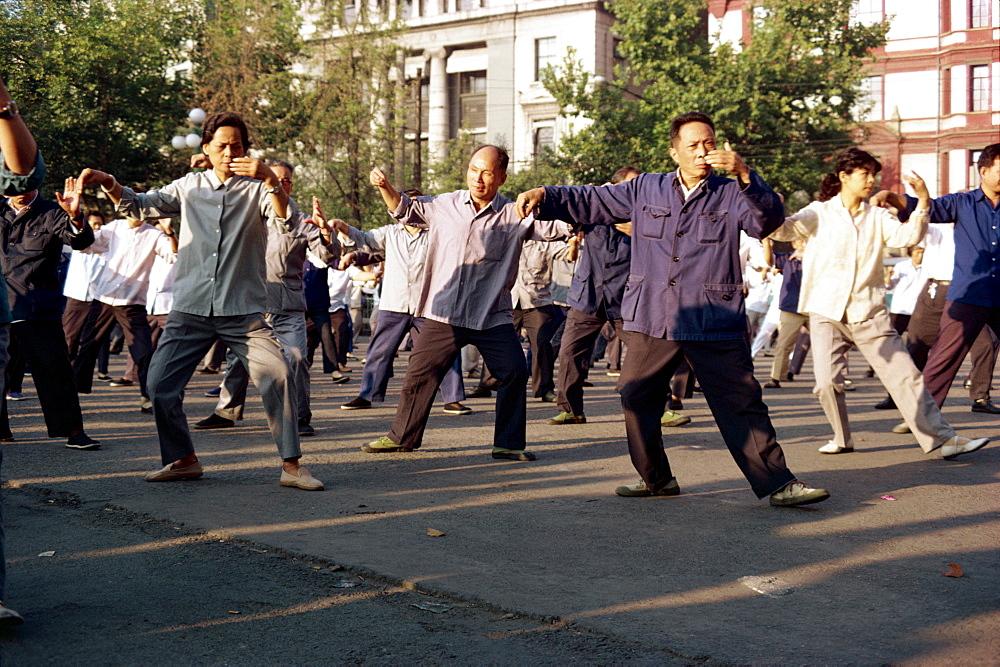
{"points": [[479, 63], [933, 90]]}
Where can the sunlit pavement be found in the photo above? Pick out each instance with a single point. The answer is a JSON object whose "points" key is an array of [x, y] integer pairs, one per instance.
{"points": [[712, 574]]}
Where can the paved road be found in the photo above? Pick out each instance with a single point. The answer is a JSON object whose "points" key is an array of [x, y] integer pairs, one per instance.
{"points": [[540, 562]]}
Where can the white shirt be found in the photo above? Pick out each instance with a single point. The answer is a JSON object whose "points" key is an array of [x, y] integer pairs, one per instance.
{"points": [[82, 274], [842, 274], [906, 284], [339, 283], [160, 296], [939, 252], [130, 253]]}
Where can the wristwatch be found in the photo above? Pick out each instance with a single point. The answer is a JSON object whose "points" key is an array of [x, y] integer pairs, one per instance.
{"points": [[9, 110], [275, 190]]}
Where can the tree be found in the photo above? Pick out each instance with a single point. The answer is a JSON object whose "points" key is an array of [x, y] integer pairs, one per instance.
{"points": [[90, 78], [787, 100]]}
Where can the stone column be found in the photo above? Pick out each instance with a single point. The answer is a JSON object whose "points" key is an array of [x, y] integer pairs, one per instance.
{"points": [[437, 121]]}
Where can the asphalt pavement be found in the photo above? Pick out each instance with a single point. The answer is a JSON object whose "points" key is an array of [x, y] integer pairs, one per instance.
{"points": [[538, 562]]}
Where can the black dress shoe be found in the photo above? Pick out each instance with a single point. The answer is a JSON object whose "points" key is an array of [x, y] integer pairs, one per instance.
{"points": [[214, 421], [887, 404], [985, 405], [82, 441], [306, 430], [790, 377], [479, 392], [772, 384], [357, 404]]}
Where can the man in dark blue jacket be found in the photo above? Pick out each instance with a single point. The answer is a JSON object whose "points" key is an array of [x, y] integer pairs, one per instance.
{"points": [[684, 298], [595, 298], [32, 233]]}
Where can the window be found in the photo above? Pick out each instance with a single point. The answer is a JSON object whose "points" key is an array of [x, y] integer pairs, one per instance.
{"points": [[870, 99], [472, 100], [544, 139], [463, 5], [545, 54], [979, 88], [974, 179], [980, 14], [867, 12]]}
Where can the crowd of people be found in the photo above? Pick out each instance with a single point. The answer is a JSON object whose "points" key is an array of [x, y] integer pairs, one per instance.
{"points": [[669, 265]]}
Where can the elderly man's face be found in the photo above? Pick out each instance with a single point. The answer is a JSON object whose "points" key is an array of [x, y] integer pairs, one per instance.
{"points": [[694, 142], [484, 176], [22, 200], [284, 175]]}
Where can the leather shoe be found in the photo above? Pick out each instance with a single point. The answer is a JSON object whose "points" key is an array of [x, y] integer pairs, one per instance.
{"points": [[172, 474], [797, 493], [887, 404], [640, 490], [833, 448], [456, 409], [302, 480], [959, 445], [357, 404], [82, 441], [479, 392], [512, 454], [985, 405], [306, 430], [772, 384], [214, 421]]}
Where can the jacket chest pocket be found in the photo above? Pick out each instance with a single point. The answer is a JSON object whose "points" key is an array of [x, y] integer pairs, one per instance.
{"points": [[712, 227], [653, 221], [34, 239]]}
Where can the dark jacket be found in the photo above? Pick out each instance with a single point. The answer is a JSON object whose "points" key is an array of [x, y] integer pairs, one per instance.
{"points": [[685, 281], [601, 271], [30, 251]]}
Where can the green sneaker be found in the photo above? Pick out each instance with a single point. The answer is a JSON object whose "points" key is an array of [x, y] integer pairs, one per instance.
{"points": [[549, 397], [512, 454], [383, 445], [567, 418], [640, 490], [671, 418]]}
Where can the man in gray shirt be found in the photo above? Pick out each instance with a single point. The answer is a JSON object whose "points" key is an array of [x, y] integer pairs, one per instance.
{"points": [[474, 243], [286, 309], [219, 291]]}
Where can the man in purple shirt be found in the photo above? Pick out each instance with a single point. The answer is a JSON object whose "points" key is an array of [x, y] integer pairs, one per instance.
{"points": [[473, 248], [684, 298], [974, 293]]}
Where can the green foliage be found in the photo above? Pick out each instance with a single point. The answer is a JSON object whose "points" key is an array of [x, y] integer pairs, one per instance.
{"points": [[90, 80], [786, 101]]}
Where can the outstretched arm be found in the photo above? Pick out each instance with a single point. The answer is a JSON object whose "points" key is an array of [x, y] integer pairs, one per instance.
{"points": [[18, 146], [390, 195]]}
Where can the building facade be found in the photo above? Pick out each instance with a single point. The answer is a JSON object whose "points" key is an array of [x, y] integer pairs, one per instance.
{"points": [[933, 90]]}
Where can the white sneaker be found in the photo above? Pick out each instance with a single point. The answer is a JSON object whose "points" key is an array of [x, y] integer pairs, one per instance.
{"points": [[833, 448], [959, 445]]}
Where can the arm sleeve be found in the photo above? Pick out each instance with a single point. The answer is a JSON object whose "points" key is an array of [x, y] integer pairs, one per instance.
{"points": [[414, 212], [17, 184], [763, 211], [802, 225], [102, 242], [897, 234], [327, 253], [164, 202], [589, 204]]}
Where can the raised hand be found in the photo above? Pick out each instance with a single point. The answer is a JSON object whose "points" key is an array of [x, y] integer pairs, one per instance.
{"points": [[92, 176], [528, 201], [625, 228], [728, 160], [70, 198], [914, 180], [254, 168], [346, 261], [379, 179], [200, 161]]}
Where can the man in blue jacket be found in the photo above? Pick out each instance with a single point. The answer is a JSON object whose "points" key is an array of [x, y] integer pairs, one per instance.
{"points": [[684, 298]]}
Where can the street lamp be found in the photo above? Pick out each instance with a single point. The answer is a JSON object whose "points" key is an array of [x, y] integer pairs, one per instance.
{"points": [[191, 140]]}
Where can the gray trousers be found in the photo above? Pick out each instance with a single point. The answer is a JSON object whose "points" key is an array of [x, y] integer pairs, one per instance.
{"points": [[290, 328], [185, 341], [788, 332], [4, 341], [885, 352]]}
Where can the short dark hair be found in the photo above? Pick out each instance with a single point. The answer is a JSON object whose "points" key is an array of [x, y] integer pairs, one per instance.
{"points": [[98, 214], [988, 156], [847, 161], [225, 119], [280, 163], [623, 173], [502, 154], [691, 117], [413, 192]]}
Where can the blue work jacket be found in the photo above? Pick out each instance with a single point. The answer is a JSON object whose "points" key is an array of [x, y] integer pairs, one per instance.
{"points": [[601, 271], [685, 280], [976, 278]]}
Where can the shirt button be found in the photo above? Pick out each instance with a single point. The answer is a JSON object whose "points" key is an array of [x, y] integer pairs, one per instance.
{"points": [[677, 259], [673, 282], [680, 233], [213, 254]]}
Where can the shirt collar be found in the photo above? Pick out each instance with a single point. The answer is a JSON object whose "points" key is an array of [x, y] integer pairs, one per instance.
{"points": [[684, 190], [213, 178], [35, 198], [494, 203]]}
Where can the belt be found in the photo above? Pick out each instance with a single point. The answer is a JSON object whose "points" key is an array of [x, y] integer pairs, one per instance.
{"points": [[939, 282]]}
